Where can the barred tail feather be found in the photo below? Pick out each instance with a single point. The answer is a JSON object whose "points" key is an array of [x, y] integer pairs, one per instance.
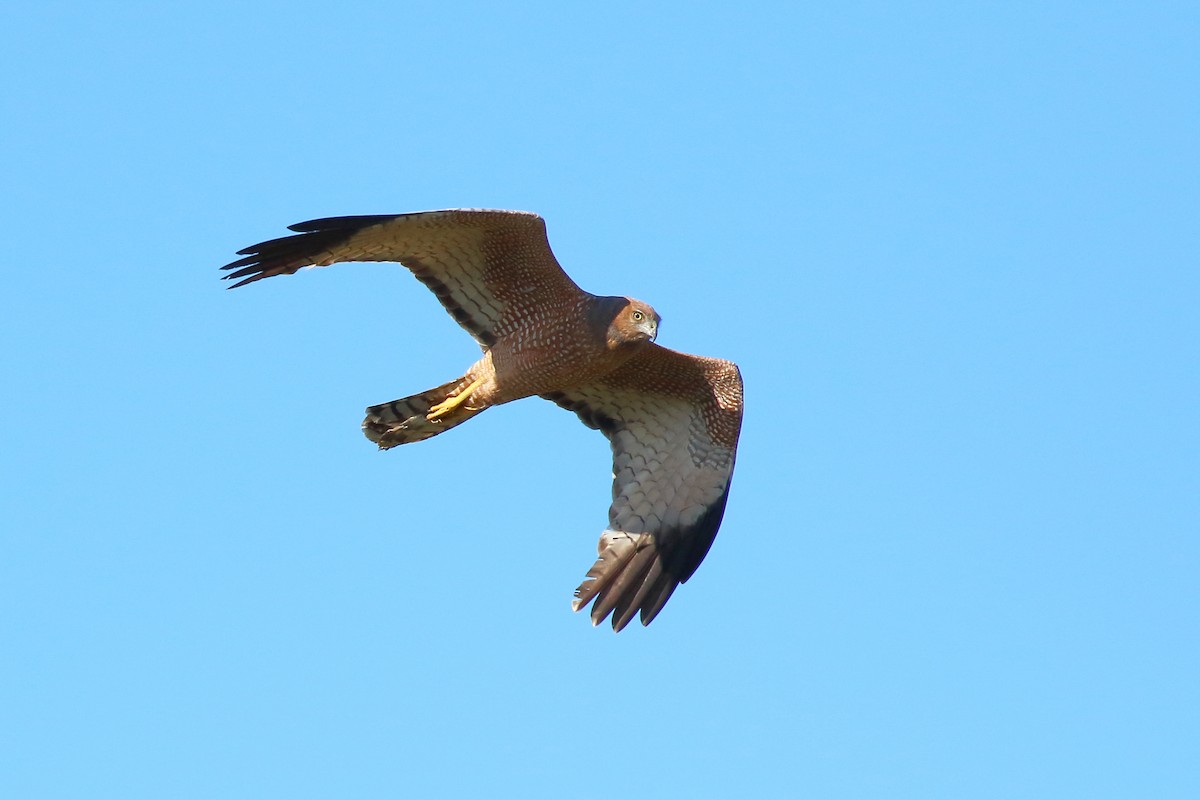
{"points": [[405, 420]]}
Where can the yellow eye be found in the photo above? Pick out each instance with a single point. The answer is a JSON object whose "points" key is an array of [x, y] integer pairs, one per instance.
{"points": [[638, 316]]}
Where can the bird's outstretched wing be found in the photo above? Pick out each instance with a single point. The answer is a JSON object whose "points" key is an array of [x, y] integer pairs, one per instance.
{"points": [[673, 421], [488, 268]]}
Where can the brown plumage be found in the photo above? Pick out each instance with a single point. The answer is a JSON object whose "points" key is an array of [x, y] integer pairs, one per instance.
{"points": [[672, 419]]}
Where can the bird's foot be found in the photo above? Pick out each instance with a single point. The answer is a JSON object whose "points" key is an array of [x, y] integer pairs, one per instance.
{"points": [[439, 410]]}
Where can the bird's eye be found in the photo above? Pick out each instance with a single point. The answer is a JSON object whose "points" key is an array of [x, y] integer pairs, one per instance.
{"points": [[638, 316]]}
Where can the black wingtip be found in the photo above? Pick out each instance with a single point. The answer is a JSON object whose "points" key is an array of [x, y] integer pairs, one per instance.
{"points": [[353, 223], [288, 254], [251, 258], [250, 271], [242, 282]]}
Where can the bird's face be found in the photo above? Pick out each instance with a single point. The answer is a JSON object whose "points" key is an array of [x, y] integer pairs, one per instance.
{"points": [[636, 323]]}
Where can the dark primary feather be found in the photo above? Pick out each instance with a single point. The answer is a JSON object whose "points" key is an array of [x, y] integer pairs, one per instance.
{"points": [[291, 253], [352, 224]]}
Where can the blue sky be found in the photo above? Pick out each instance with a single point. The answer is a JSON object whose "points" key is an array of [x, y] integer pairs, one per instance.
{"points": [[953, 248]]}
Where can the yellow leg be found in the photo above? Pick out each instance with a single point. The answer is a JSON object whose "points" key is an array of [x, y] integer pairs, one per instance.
{"points": [[454, 401]]}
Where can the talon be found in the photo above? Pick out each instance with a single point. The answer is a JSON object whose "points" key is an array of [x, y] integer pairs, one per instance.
{"points": [[439, 410]]}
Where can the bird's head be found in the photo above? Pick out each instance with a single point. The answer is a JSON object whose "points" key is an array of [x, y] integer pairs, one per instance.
{"points": [[635, 323], [623, 322], [640, 320]]}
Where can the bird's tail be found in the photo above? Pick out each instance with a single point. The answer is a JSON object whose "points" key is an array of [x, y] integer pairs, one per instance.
{"points": [[421, 416]]}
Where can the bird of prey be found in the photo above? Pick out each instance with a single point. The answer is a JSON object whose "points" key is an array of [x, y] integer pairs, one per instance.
{"points": [[672, 419]]}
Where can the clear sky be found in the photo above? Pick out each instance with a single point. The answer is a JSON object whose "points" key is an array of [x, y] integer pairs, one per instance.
{"points": [[954, 248]]}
